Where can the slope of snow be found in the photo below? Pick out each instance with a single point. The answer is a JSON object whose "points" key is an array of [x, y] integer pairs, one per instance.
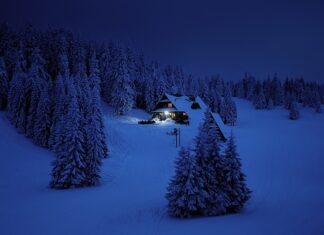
{"points": [[283, 160]]}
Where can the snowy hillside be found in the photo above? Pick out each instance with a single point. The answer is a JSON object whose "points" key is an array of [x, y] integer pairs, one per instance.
{"points": [[283, 161]]}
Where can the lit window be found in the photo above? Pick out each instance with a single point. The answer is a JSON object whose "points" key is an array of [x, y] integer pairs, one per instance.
{"points": [[169, 105]]}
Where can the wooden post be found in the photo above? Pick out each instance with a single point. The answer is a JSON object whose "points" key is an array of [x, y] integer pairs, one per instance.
{"points": [[179, 136], [175, 130]]}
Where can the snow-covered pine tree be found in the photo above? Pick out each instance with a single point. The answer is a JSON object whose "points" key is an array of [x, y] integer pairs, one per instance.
{"points": [[228, 111], [288, 100], [239, 90], [108, 70], [222, 110], [139, 82], [256, 92], [233, 111], [293, 112], [204, 91], [130, 66], [209, 166], [38, 78], [96, 148], [277, 91], [236, 188], [179, 79], [8, 48], [299, 89], [260, 102], [96, 104], [94, 72], [60, 111], [81, 84], [249, 87], [215, 100], [317, 102], [16, 95], [192, 86], [170, 80], [69, 169], [4, 85], [77, 57], [59, 97], [185, 193], [149, 93], [63, 65], [122, 96], [156, 85], [270, 104], [43, 117]]}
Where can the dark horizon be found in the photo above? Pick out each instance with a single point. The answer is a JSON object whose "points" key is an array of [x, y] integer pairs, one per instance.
{"points": [[228, 39]]}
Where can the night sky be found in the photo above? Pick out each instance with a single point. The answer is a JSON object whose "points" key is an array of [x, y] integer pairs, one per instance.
{"points": [[227, 38]]}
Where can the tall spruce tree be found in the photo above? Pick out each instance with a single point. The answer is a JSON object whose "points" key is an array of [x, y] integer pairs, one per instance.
{"points": [[149, 95], [288, 100], [108, 71], [139, 82], [216, 101], [154, 87], [293, 112], [210, 166], [277, 91], [38, 78], [59, 112], [43, 117], [59, 95], [94, 72], [122, 93], [317, 102], [236, 188], [94, 83], [186, 194], [16, 95], [228, 111], [95, 147], [69, 169], [260, 102], [91, 123]]}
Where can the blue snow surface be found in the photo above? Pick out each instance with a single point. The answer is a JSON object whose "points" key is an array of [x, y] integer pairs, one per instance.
{"points": [[283, 160]]}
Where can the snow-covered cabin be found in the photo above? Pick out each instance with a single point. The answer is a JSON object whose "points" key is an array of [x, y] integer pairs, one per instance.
{"points": [[186, 109]]}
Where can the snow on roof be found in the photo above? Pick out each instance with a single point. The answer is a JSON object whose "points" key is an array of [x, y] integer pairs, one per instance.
{"points": [[181, 103]]}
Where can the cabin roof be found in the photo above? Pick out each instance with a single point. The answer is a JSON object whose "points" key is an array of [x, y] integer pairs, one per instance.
{"points": [[181, 103]]}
